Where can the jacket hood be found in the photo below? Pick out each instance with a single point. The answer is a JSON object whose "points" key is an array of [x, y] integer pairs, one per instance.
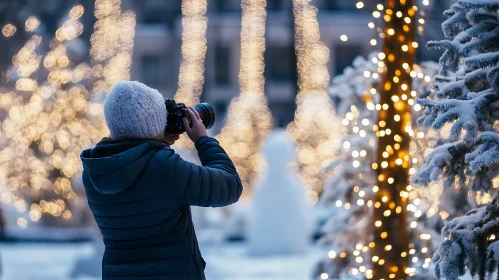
{"points": [[114, 165]]}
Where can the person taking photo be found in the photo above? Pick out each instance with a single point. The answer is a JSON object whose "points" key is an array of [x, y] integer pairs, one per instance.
{"points": [[140, 191]]}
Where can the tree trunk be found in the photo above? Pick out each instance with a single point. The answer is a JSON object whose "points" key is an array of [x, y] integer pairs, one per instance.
{"points": [[391, 246]]}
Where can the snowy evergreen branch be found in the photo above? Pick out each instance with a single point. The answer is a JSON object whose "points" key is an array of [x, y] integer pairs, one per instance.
{"points": [[465, 102], [470, 242]]}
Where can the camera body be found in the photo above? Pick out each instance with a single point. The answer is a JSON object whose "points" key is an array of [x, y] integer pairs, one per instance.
{"points": [[177, 111]]}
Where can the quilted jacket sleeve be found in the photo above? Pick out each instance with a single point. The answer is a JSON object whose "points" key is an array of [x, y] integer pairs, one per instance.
{"points": [[215, 183]]}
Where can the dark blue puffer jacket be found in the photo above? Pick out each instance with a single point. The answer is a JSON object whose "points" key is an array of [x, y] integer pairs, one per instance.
{"points": [[140, 193]]}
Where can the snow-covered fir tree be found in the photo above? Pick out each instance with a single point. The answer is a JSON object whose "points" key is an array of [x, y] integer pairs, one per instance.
{"points": [[352, 180], [349, 193], [466, 100], [446, 202]]}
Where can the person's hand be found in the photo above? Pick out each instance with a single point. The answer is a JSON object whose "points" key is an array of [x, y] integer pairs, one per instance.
{"points": [[170, 137], [196, 130]]}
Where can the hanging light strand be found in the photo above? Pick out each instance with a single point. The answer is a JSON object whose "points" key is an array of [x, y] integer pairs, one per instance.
{"points": [[52, 115], [112, 46], [315, 129], [191, 75], [249, 119], [393, 158]]}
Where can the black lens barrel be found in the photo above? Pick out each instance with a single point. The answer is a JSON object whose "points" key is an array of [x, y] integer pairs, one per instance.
{"points": [[206, 113], [176, 111]]}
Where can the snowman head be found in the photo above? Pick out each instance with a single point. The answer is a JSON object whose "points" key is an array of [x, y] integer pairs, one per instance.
{"points": [[278, 149]]}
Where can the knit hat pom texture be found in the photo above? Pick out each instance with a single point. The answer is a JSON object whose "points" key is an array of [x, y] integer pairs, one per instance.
{"points": [[134, 111]]}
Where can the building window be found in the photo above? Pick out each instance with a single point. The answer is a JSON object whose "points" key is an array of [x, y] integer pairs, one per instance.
{"points": [[151, 70], [344, 56], [339, 5], [224, 6], [283, 112], [222, 65], [334, 5], [279, 63], [157, 11], [274, 5], [221, 108], [218, 6]]}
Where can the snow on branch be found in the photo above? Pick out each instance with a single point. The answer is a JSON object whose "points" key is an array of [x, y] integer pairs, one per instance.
{"points": [[465, 103], [465, 95], [470, 242]]}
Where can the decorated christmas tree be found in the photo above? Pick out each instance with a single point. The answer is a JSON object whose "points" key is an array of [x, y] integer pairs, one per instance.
{"points": [[349, 193], [53, 108], [466, 101]]}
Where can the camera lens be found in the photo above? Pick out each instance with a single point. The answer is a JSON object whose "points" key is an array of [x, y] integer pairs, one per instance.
{"points": [[206, 113]]}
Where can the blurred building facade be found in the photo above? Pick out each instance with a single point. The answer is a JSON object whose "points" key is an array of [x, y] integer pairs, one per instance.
{"points": [[157, 54]]}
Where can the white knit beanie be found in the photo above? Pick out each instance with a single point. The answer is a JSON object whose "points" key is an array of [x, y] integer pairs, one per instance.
{"points": [[134, 111]]}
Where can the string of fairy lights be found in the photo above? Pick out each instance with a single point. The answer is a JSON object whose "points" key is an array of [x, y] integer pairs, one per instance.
{"points": [[52, 114], [383, 130], [315, 129], [362, 126], [22, 128], [393, 158], [249, 119], [191, 73], [112, 46]]}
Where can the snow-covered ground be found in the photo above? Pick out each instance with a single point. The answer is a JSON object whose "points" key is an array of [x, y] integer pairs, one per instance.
{"points": [[25, 261]]}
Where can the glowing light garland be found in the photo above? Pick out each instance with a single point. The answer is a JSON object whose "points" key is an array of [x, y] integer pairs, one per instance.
{"points": [[358, 91], [391, 243], [249, 119], [32, 24], [191, 74], [49, 116], [9, 30], [191, 77], [381, 265], [315, 129], [112, 45], [377, 15]]}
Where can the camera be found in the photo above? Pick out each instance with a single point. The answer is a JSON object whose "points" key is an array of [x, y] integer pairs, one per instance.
{"points": [[177, 111]]}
